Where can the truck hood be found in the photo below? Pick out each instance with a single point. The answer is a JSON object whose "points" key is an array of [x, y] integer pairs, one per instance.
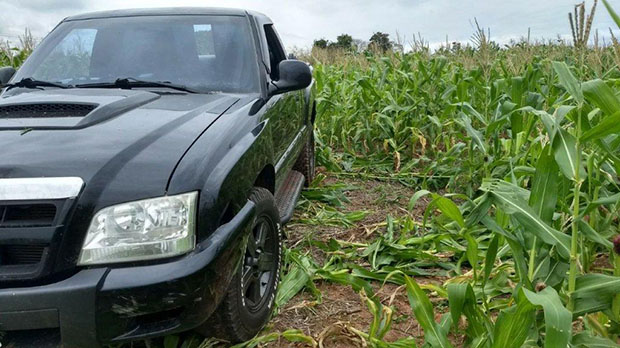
{"points": [[124, 144]]}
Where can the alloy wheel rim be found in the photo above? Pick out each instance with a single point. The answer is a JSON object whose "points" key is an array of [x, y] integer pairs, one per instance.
{"points": [[259, 265]]}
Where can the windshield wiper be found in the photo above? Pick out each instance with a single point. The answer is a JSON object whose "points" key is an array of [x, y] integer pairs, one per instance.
{"points": [[29, 82], [130, 82]]}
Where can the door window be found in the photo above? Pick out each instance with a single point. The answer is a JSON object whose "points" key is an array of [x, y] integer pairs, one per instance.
{"points": [[276, 52]]}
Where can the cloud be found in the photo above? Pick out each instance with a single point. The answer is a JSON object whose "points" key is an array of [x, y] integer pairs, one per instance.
{"points": [[48, 5], [302, 21], [40, 16]]}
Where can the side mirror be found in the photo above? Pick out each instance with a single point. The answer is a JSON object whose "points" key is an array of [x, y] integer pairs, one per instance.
{"points": [[5, 75], [294, 75]]}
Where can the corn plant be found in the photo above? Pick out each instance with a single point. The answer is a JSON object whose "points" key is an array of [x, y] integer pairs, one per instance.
{"points": [[15, 54]]}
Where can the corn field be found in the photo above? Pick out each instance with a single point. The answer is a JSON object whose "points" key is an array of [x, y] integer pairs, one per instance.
{"points": [[526, 161], [512, 154], [516, 152]]}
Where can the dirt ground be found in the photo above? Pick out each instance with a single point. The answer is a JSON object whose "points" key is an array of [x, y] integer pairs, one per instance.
{"points": [[341, 308]]}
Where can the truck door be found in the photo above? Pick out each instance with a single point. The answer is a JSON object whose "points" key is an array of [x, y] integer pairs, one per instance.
{"points": [[286, 114]]}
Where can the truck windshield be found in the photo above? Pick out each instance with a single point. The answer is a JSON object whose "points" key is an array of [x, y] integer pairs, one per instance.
{"points": [[204, 53]]}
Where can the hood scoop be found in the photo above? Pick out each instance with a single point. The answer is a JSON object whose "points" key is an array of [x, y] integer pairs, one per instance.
{"points": [[68, 109], [45, 110]]}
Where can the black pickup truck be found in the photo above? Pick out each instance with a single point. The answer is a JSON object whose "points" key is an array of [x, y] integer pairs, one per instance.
{"points": [[148, 161]]}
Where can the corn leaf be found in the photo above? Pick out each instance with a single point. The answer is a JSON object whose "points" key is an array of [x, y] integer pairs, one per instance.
{"points": [[296, 279], [560, 113], [256, 341], [595, 292], [458, 295], [489, 258], [472, 252], [548, 121], [513, 325], [474, 134], [551, 271], [586, 340], [608, 125], [612, 13], [599, 93], [462, 300], [510, 199], [295, 336], [558, 320], [516, 246], [402, 343], [565, 150], [298, 336], [423, 310], [568, 81], [480, 210], [346, 278], [613, 199], [416, 196], [592, 235], [447, 207], [544, 194], [518, 89], [468, 109]]}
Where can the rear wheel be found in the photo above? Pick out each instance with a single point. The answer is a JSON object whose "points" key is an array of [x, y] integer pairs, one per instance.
{"points": [[249, 301], [306, 162]]}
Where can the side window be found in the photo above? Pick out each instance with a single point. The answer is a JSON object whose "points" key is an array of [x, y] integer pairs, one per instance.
{"points": [[70, 59], [204, 40], [276, 52]]}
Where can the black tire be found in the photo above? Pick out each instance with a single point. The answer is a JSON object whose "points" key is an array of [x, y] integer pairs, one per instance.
{"points": [[306, 161], [247, 307]]}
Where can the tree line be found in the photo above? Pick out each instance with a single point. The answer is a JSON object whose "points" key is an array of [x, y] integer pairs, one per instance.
{"points": [[378, 42]]}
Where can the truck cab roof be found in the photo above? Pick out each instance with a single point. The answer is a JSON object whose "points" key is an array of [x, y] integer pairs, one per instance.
{"points": [[169, 11]]}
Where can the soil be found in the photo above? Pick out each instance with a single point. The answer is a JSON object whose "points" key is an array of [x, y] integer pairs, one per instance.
{"points": [[331, 321], [378, 198]]}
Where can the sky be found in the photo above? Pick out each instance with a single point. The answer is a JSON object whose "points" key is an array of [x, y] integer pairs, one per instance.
{"points": [[300, 22]]}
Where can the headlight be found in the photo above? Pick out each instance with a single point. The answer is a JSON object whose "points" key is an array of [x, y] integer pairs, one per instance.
{"points": [[142, 230]]}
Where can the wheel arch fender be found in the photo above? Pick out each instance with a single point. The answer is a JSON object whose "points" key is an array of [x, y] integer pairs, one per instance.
{"points": [[247, 164]]}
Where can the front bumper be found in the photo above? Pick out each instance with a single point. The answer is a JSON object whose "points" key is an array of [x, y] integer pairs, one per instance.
{"points": [[108, 305]]}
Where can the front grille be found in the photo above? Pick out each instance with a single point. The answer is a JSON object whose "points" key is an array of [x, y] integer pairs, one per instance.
{"points": [[27, 215], [33, 229], [12, 255], [44, 110]]}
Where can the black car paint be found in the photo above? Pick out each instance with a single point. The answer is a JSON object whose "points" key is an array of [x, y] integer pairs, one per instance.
{"points": [[158, 143]]}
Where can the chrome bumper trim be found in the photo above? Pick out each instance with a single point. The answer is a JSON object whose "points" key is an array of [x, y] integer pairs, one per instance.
{"points": [[20, 189]]}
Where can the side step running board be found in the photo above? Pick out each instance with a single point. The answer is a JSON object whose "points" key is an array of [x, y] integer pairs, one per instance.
{"points": [[288, 194]]}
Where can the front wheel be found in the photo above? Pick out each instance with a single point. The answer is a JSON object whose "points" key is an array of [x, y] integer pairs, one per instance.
{"points": [[251, 294]]}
